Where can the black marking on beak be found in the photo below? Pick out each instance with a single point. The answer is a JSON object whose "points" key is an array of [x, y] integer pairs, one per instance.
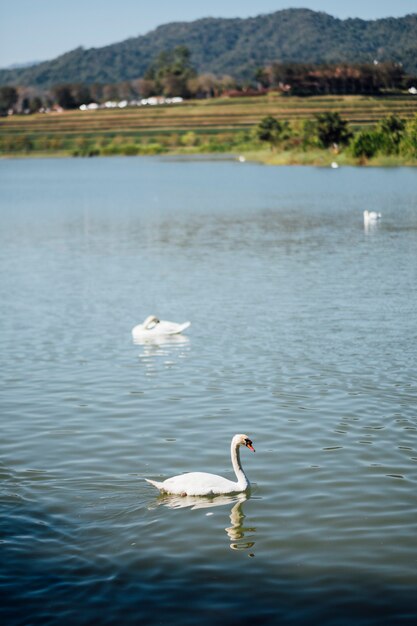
{"points": [[248, 444]]}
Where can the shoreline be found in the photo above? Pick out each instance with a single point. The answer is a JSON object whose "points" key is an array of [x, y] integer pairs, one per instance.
{"points": [[221, 126], [317, 158]]}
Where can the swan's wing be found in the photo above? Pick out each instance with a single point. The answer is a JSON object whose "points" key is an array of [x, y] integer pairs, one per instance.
{"points": [[199, 484], [163, 327], [171, 328]]}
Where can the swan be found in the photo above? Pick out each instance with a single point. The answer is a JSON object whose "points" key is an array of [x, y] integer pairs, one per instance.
{"points": [[204, 484], [371, 216], [153, 326]]}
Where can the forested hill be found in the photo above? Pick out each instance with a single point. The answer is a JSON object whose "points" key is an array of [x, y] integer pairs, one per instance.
{"points": [[235, 47]]}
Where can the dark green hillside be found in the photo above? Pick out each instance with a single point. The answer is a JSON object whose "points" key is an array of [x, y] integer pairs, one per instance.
{"points": [[236, 47]]}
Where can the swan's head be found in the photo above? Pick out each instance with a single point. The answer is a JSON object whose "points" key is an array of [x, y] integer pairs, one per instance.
{"points": [[150, 322], [243, 440]]}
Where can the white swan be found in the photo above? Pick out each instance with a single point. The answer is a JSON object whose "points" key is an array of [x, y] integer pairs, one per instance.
{"points": [[153, 327], [204, 484], [371, 216]]}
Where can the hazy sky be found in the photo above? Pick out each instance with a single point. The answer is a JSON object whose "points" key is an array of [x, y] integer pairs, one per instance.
{"points": [[37, 30]]}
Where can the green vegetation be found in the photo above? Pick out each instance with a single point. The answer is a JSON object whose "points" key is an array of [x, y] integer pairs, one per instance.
{"points": [[331, 130], [308, 79], [236, 47], [349, 129], [271, 130], [170, 74], [8, 98], [306, 111]]}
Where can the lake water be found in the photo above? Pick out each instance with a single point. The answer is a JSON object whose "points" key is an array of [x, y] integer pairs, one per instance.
{"points": [[303, 337]]}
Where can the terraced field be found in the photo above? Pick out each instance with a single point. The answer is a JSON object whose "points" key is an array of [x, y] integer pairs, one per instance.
{"points": [[205, 118]]}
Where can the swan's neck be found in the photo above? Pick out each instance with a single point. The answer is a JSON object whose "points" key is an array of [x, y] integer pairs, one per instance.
{"points": [[242, 480]]}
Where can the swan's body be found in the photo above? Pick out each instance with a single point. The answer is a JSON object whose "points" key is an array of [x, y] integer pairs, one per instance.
{"points": [[204, 484], [153, 327], [371, 216]]}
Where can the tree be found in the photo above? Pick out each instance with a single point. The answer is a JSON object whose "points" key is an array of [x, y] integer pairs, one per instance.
{"points": [[203, 86], [81, 94], [227, 83], [171, 72], [146, 87], [332, 130], [64, 97], [25, 105], [8, 98], [308, 134], [391, 129], [262, 77], [110, 92], [409, 140], [270, 130], [35, 104], [366, 144], [174, 85]]}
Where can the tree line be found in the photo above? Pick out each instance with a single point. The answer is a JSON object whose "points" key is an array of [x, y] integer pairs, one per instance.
{"points": [[391, 136], [172, 74], [306, 79]]}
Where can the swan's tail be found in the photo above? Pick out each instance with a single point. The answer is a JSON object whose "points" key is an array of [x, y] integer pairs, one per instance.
{"points": [[154, 483]]}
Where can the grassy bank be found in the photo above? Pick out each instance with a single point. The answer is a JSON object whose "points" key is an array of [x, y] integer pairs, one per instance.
{"points": [[195, 127], [324, 158]]}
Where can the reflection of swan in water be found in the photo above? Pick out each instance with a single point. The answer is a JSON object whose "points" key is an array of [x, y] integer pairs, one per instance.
{"points": [[236, 532], [205, 484], [163, 351], [198, 502], [154, 327], [161, 340]]}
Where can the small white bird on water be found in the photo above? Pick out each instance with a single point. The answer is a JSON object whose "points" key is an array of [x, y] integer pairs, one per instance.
{"points": [[205, 484], [153, 327], [371, 217]]}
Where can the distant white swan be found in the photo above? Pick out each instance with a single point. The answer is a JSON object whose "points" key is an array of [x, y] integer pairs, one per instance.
{"points": [[371, 216], [334, 165], [154, 327], [204, 484]]}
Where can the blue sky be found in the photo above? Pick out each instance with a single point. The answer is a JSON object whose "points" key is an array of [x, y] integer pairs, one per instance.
{"points": [[32, 30]]}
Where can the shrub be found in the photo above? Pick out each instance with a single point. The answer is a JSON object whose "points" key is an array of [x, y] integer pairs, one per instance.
{"points": [[366, 144], [408, 144], [391, 130], [151, 149], [129, 149], [271, 130], [190, 139], [332, 130]]}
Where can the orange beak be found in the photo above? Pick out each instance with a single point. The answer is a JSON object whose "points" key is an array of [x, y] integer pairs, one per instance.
{"points": [[250, 446]]}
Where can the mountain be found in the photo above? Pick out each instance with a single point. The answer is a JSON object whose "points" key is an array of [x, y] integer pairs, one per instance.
{"points": [[236, 47], [18, 66]]}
